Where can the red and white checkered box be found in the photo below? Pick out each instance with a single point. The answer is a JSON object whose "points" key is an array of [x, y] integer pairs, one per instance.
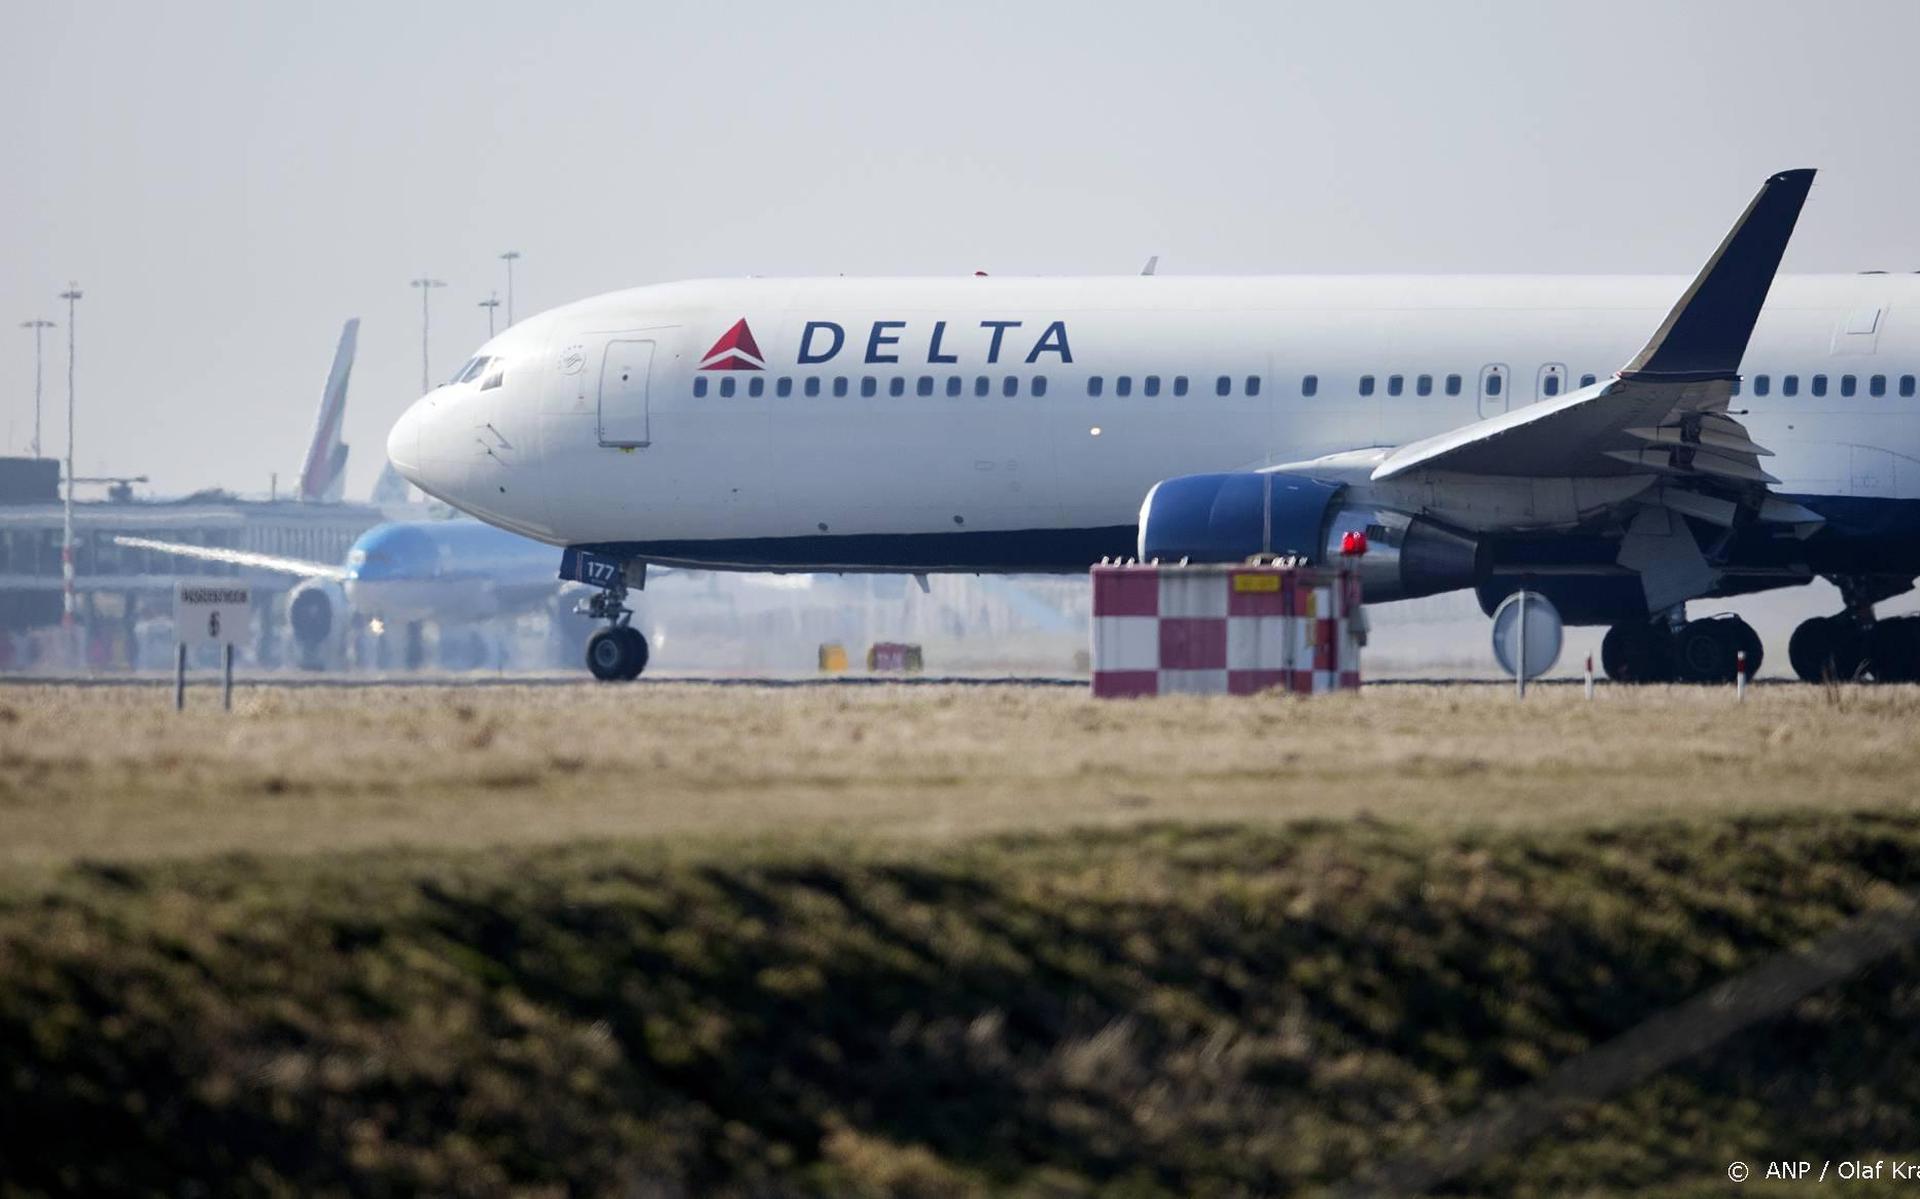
{"points": [[1162, 629]]}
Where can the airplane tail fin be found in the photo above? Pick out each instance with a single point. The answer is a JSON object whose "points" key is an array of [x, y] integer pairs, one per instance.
{"points": [[323, 476]]}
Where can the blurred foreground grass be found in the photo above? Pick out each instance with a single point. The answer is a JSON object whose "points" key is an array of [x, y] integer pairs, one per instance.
{"points": [[691, 941], [1144, 1011]]}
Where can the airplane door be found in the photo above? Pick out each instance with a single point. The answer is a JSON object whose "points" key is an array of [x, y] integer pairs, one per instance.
{"points": [[625, 417], [1551, 383], [1493, 389]]}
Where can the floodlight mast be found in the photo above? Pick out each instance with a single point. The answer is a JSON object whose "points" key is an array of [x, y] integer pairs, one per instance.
{"points": [[426, 286]]}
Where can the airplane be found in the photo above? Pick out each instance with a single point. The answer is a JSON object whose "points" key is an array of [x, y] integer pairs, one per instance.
{"points": [[401, 573], [1622, 446]]}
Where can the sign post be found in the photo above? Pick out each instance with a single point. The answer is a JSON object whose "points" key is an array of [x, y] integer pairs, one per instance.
{"points": [[208, 614]]}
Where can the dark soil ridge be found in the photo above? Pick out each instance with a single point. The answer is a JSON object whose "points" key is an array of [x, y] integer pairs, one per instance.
{"points": [[1149, 1011]]}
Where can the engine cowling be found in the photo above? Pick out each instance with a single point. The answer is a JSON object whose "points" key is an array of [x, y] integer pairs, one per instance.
{"points": [[316, 615], [1231, 517]]}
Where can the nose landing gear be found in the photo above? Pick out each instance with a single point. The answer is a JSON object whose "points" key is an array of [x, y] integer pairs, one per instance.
{"points": [[619, 651]]}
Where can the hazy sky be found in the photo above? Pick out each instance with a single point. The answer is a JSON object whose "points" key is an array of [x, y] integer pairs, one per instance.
{"points": [[229, 182]]}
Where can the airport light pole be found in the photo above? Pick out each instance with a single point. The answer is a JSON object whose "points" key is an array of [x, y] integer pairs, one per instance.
{"points": [[426, 287], [508, 258], [490, 303], [72, 297], [38, 326]]}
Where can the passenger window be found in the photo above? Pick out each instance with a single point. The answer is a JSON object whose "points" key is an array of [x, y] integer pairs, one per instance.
{"points": [[1010, 387], [953, 385], [1847, 385], [726, 387], [1494, 382], [1223, 386], [784, 387], [1150, 385], [840, 385], [868, 386], [1877, 385], [699, 386], [1906, 386], [1586, 380], [1310, 385], [1790, 385], [1094, 385], [1253, 385], [1818, 385], [1550, 385], [1394, 384], [897, 386], [1761, 385], [925, 386], [1366, 385], [1453, 385], [1736, 387], [1423, 385], [1123, 386], [812, 386], [1179, 385], [756, 386], [981, 385], [1039, 385]]}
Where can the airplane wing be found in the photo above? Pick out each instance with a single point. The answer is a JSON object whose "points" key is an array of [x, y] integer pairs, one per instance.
{"points": [[1666, 412], [1665, 417], [207, 553]]}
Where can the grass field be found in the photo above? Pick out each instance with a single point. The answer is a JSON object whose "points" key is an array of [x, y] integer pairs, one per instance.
{"points": [[681, 940], [116, 775]]}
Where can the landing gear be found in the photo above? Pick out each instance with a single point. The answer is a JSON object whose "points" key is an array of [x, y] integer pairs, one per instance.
{"points": [[1828, 647], [1696, 651], [617, 653]]}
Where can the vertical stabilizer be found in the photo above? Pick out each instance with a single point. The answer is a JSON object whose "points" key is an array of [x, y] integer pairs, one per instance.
{"points": [[323, 477], [390, 488]]}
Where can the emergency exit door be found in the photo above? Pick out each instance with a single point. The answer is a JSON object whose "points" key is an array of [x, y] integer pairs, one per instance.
{"points": [[624, 414]]}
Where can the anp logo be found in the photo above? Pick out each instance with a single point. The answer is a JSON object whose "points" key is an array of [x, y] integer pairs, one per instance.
{"points": [[735, 351]]}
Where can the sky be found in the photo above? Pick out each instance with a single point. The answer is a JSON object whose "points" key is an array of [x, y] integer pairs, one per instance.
{"points": [[229, 182]]}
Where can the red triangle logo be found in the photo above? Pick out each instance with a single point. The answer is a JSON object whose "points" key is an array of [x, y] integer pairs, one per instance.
{"points": [[735, 351]]}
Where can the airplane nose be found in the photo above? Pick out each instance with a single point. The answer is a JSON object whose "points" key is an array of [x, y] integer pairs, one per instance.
{"points": [[403, 442]]}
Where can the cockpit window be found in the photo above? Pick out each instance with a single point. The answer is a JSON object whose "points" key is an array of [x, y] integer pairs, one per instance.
{"points": [[470, 371], [495, 373]]}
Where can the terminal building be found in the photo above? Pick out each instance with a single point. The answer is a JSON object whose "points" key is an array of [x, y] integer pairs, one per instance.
{"points": [[123, 597]]}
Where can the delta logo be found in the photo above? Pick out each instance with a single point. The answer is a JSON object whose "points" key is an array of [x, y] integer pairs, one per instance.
{"points": [[735, 351], [823, 341]]}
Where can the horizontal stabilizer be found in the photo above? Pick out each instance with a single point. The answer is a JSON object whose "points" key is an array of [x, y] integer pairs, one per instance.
{"points": [[1706, 334]]}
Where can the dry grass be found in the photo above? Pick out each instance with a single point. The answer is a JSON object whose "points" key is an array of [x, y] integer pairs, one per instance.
{"points": [[113, 775]]}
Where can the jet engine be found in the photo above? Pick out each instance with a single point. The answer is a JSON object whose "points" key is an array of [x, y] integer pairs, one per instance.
{"points": [[317, 614], [1231, 517]]}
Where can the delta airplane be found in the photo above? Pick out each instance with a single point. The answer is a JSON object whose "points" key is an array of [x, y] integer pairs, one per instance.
{"points": [[1623, 446]]}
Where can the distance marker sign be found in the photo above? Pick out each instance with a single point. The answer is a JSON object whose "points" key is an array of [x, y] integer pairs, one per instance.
{"points": [[211, 613]]}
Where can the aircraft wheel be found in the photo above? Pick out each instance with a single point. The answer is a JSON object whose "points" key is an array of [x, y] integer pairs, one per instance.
{"points": [[608, 654], [1895, 648], [1704, 650], [637, 652], [1827, 647], [1636, 652]]}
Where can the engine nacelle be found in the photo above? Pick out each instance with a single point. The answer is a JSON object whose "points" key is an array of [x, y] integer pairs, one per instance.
{"points": [[1231, 517], [317, 616]]}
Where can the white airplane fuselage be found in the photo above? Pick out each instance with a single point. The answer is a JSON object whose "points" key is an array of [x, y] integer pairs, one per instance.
{"points": [[982, 423]]}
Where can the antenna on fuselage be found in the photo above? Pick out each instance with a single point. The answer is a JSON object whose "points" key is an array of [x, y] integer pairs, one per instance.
{"points": [[1151, 263]]}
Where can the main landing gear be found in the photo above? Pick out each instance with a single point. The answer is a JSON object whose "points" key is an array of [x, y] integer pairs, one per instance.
{"points": [[1854, 644], [1680, 651], [619, 651]]}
